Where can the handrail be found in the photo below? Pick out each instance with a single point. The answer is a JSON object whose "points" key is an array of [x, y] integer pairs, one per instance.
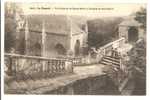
{"points": [[32, 57], [109, 44], [102, 51]]}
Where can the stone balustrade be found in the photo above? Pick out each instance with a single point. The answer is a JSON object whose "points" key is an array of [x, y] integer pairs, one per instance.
{"points": [[22, 66]]}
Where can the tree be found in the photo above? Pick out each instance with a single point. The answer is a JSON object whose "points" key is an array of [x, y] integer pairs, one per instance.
{"points": [[137, 66], [102, 31], [11, 10], [140, 16]]}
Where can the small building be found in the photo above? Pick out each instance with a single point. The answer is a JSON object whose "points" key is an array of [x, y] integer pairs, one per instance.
{"points": [[130, 29], [54, 35]]}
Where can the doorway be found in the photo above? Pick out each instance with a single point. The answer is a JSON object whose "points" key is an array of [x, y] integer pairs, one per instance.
{"points": [[77, 48], [132, 34], [60, 49]]}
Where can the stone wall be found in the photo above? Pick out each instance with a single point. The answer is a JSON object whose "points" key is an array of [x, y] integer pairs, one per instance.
{"points": [[123, 32], [35, 44], [52, 40]]}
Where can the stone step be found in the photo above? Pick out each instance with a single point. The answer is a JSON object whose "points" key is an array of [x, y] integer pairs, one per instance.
{"points": [[104, 63], [110, 62], [107, 63], [112, 59]]}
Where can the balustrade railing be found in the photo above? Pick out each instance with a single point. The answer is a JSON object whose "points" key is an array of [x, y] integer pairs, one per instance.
{"points": [[22, 66], [106, 49], [77, 60], [101, 52]]}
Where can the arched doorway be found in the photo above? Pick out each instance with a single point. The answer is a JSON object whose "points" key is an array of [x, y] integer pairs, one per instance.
{"points": [[60, 49], [132, 34], [77, 48], [37, 49]]}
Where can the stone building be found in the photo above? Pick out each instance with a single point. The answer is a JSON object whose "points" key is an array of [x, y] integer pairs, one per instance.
{"points": [[54, 35], [130, 29]]}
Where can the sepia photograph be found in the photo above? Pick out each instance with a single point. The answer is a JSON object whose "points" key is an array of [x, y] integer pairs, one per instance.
{"points": [[74, 49]]}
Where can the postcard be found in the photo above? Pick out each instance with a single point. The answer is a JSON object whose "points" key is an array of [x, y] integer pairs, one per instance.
{"points": [[74, 49]]}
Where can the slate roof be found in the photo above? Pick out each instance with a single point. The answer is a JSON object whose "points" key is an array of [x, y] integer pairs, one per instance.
{"points": [[53, 24], [130, 22], [58, 24], [76, 28]]}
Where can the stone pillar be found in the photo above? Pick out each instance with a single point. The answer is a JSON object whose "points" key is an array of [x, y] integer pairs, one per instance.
{"points": [[26, 39], [43, 53], [85, 36], [140, 32], [70, 48], [120, 31], [17, 42], [43, 40], [127, 33], [68, 67], [123, 32]]}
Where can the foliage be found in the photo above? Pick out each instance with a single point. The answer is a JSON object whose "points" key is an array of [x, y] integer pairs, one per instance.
{"points": [[11, 9], [137, 66], [140, 16], [102, 31], [138, 56]]}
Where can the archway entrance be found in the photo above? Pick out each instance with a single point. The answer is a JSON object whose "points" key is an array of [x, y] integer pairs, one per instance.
{"points": [[77, 48], [60, 49], [37, 49], [132, 34]]}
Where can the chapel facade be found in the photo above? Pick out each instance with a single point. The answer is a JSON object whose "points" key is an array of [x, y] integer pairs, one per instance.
{"points": [[54, 35]]}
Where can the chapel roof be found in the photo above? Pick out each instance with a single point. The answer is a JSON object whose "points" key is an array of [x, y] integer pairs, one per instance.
{"points": [[130, 22], [57, 24]]}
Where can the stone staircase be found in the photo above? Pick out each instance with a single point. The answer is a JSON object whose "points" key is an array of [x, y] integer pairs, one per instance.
{"points": [[109, 60]]}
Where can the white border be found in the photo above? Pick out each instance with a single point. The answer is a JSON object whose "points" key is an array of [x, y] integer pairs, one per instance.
{"points": [[48, 97], [84, 1], [2, 46], [148, 49]]}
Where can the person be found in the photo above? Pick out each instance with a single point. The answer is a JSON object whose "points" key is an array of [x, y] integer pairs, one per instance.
{"points": [[12, 50], [113, 52], [116, 52]]}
